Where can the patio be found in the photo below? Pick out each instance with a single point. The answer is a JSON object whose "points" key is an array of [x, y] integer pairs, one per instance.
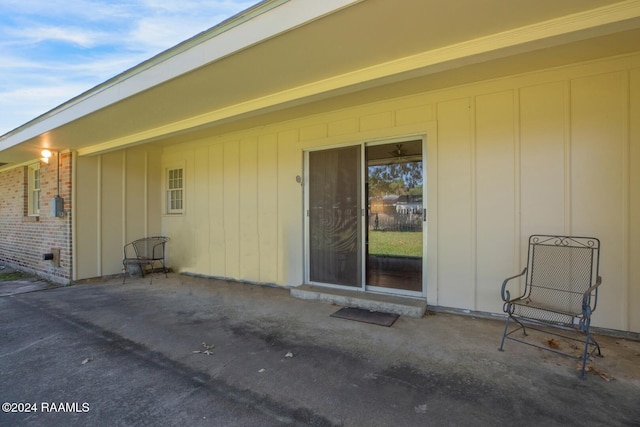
{"points": [[441, 369]]}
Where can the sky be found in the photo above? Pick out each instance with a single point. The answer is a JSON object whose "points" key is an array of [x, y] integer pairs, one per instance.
{"points": [[52, 51]]}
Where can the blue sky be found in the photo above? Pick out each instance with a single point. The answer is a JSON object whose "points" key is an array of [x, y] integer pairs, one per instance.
{"points": [[52, 51]]}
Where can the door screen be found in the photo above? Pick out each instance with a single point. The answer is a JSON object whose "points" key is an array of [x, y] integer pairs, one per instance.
{"points": [[335, 220]]}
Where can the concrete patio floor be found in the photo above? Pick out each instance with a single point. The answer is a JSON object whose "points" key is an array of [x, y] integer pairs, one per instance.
{"points": [[277, 360]]}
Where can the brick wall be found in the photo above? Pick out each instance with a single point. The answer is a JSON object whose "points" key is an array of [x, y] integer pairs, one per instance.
{"points": [[24, 239]]}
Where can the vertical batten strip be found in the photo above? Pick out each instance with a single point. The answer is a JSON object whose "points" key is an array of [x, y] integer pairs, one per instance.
{"points": [[145, 205], [124, 198], [626, 193], [74, 221], [517, 181], [99, 217], [568, 226], [473, 185]]}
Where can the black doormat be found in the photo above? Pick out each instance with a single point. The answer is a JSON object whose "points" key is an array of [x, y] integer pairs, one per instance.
{"points": [[366, 316]]}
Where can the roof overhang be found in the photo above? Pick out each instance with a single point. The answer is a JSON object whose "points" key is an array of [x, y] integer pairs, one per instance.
{"points": [[284, 54]]}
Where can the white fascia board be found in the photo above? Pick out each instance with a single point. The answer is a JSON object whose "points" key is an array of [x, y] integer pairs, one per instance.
{"points": [[268, 19]]}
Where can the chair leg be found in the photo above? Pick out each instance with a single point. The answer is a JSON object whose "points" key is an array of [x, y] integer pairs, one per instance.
{"points": [[587, 353], [504, 334], [584, 357], [596, 344]]}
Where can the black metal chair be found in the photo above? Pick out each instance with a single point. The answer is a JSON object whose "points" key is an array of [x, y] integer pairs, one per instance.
{"points": [[560, 290], [146, 253]]}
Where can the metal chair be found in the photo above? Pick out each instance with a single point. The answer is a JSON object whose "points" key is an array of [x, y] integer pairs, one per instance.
{"points": [[145, 253], [560, 290]]}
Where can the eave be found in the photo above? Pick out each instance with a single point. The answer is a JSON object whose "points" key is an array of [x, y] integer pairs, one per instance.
{"points": [[237, 46]]}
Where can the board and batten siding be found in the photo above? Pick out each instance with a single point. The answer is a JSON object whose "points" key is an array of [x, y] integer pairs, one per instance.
{"points": [[118, 200], [555, 151]]}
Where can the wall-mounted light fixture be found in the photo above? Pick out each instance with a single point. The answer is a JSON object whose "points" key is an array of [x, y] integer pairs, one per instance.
{"points": [[46, 154]]}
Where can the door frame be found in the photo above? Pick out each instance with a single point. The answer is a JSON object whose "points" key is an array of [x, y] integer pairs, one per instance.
{"points": [[363, 144]]}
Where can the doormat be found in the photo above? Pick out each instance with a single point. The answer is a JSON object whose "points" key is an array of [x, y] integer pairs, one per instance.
{"points": [[366, 316]]}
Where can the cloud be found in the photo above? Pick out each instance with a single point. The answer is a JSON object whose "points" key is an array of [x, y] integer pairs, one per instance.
{"points": [[171, 22], [78, 36], [156, 33], [50, 54], [25, 104]]}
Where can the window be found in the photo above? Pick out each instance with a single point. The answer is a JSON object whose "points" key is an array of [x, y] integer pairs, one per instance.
{"points": [[33, 196], [175, 191]]}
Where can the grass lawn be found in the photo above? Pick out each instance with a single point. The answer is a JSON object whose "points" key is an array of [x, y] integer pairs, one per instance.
{"points": [[13, 275], [402, 243]]}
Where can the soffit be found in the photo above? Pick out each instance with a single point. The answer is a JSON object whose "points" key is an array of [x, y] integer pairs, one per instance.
{"points": [[617, 44], [354, 38]]}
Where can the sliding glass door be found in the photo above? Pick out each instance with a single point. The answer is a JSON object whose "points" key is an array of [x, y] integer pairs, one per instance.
{"points": [[394, 237], [365, 216]]}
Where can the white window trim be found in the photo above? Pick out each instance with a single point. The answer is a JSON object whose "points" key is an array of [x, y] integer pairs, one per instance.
{"points": [[167, 210], [33, 194]]}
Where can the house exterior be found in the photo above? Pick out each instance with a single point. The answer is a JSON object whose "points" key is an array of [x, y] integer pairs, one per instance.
{"points": [[254, 147]]}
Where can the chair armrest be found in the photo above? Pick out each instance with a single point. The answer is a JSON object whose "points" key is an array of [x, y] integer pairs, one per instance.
{"points": [[506, 295], [125, 250], [587, 309]]}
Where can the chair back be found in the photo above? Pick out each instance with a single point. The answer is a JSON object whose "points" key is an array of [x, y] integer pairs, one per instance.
{"points": [[561, 269]]}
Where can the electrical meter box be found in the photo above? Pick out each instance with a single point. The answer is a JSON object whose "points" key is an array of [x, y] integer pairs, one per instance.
{"points": [[57, 206]]}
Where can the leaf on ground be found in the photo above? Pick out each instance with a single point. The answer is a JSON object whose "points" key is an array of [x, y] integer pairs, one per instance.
{"points": [[596, 371], [552, 343], [207, 349]]}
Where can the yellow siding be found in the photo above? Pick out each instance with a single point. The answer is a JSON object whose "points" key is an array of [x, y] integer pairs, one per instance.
{"points": [[598, 182], [87, 216], [289, 209], [135, 201], [115, 206], [154, 197], [376, 121], [456, 268], [412, 115], [249, 235], [267, 211], [231, 204], [546, 152], [633, 299], [200, 208], [542, 160], [313, 132], [217, 251], [112, 209], [494, 194], [343, 127]]}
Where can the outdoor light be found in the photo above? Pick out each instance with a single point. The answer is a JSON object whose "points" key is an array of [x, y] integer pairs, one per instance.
{"points": [[45, 156], [57, 203]]}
